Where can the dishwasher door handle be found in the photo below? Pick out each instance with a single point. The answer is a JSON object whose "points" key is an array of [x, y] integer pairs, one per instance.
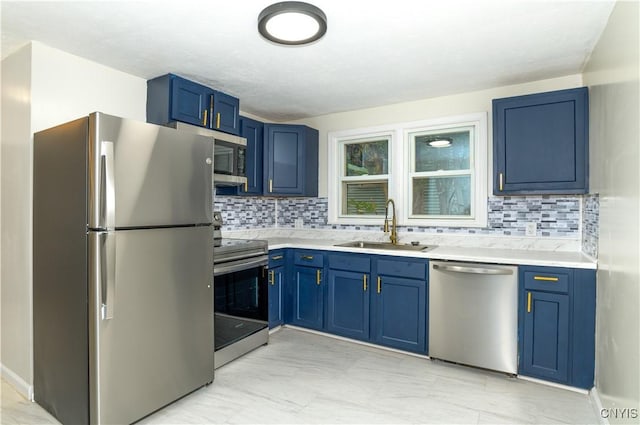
{"points": [[472, 269]]}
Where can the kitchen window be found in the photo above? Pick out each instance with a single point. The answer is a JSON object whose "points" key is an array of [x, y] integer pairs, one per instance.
{"points": [[435, 170], [362, 177], [446, 175]]}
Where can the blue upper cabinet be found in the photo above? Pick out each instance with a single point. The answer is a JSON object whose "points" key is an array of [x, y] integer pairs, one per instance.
{"points": [[173, 98], [225, 113], [290, 160], [541, 143], [253, 131]]}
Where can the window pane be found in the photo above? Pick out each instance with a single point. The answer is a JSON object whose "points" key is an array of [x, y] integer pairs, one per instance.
{"points": [[452, 157], [442, 196], [367, 158], [364, 198]]}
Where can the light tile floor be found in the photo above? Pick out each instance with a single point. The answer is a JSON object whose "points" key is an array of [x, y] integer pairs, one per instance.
{"points": [[302, 377]]}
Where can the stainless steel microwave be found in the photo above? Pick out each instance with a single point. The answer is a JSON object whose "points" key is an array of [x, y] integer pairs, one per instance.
{"points": [[229, 155]]}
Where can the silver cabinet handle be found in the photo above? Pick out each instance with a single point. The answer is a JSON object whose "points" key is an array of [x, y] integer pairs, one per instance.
{"points": [[107, 187], [472, 270], [102, 248]]}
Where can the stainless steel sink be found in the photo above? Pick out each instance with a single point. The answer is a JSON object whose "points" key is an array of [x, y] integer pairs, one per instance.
{"points": [[384, 245]]}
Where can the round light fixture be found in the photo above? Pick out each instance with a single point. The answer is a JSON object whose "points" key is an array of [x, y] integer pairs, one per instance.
{"points": [[440, 142], [292, 23]]}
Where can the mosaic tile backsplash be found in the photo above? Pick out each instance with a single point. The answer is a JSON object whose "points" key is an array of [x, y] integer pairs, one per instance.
{"points": [[590, 223], [555, 216]]}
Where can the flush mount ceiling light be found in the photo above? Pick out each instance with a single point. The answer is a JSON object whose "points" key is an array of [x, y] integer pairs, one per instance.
{"points": [[440, 142], [292, 23]]}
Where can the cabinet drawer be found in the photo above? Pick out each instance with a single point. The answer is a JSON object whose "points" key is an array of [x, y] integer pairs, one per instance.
{"points": [[276, 258], [308, 258], [546, 281], [409, 269], [354, 263]]}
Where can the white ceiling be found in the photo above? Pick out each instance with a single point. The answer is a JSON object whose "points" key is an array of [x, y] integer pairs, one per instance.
{"points": [[375, 52]]}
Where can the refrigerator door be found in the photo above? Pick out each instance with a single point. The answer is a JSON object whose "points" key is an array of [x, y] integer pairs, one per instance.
{"points": [[151, 323], [144, 175]]}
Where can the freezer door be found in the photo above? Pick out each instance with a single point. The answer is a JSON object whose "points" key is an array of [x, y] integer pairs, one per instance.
{"points": [[144, 175], [151, 326]]}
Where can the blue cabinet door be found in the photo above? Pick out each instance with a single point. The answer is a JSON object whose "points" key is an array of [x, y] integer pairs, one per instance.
{"points": [[400, 316], [291, 160], [308, 300], [253, 131], [225, 113], [541, 143], [189, 101], [173, 98], [348, 304], [276, 285], [546, 336]]}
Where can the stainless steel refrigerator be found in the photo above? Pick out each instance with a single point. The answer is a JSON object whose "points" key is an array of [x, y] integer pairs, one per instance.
{"points": [[122, 268]]}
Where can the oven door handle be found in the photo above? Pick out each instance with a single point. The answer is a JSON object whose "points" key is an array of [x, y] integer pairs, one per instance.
{"points": [[236, 266], [243, 255]]}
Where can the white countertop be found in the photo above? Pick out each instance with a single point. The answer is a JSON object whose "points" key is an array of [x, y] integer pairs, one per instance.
{"points": [[479, 254]]}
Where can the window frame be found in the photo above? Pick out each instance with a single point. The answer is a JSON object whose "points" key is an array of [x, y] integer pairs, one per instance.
{"points": [[477, 167], [336, 173], [399, 170]]}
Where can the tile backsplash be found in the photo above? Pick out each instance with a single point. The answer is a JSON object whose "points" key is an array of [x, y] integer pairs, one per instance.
{"points": [[555, 217], [590, 223]]}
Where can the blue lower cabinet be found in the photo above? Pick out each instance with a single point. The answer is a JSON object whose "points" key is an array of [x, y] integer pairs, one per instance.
{"points": [[277, 286], [546, 336], [308, 292], [348, 304], [308, 302], [557, 324], [378, 299], [400, 313]]}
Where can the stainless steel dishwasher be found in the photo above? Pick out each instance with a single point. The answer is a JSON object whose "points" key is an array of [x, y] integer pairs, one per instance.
{"points": [[473, 314]]}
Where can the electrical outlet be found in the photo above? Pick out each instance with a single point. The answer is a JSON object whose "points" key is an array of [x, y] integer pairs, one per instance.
{"points": [[531, 229], [298, 223]]}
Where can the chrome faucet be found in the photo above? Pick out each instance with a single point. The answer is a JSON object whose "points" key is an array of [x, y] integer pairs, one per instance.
{"points": [[394, 231]]}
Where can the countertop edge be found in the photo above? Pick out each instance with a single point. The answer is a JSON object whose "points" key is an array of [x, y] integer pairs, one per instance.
{"points": [[576, 260]]}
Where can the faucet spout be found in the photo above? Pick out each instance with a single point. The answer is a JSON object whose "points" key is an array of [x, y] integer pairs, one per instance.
{"points": [[394, 231]]}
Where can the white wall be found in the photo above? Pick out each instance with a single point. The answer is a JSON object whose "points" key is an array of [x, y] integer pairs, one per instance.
{"points": [[613, 73], [15, 254], [50, 87], [65, 87], [426, 109]]}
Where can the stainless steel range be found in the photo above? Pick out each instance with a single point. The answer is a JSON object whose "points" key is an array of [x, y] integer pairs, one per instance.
{"points": [[240, 295]]}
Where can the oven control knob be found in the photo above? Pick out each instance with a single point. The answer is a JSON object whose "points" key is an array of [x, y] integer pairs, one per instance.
{"points": [[208, 161]]}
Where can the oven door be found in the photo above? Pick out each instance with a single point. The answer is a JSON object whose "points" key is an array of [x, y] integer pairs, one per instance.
{"points": [[240, 299]]}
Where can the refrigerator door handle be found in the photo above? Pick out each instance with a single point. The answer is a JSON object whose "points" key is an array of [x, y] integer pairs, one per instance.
{"points": [[104, 273], [107, 187]]}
